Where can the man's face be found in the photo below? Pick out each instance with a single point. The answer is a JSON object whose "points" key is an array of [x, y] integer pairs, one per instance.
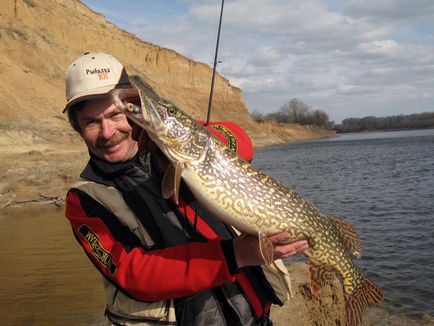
{"points": [[106, 131]]}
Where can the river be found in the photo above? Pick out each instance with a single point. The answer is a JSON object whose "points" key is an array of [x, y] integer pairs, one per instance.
{"points": [[383, 183]]}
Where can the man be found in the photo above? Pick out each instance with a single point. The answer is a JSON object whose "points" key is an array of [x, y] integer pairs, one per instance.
{"points": [[161, 263]]}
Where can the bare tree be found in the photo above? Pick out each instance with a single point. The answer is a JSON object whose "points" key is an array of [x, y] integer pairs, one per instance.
{"points": [[257, 116], [296, 111]]}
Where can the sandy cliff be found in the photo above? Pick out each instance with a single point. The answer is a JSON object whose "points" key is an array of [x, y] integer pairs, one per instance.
{"points": [[39, 39]]}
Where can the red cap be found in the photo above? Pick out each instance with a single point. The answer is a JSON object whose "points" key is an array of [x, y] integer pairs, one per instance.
{"points": [[233, 136]]}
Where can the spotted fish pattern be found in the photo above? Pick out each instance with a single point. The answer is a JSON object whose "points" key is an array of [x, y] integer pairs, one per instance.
{"points": [[242, 196]]}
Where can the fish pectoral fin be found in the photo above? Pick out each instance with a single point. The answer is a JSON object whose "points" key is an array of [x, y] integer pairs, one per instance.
{"points": [[350, 238], [319, 276], [266, 248], [172, 181]]}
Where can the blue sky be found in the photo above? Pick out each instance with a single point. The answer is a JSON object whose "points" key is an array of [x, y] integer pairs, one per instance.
{"points": [[350, 58]]}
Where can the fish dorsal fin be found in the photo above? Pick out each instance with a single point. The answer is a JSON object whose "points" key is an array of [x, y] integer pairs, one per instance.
{"points": [[172, 181], [350, 238], [319, 276]]}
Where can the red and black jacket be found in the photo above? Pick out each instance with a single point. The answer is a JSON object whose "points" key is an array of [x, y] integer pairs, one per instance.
{"points": [[164, 272]]}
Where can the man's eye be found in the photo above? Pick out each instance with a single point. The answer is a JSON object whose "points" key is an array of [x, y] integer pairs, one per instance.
{"points": [[117, 115], [90, 123]]}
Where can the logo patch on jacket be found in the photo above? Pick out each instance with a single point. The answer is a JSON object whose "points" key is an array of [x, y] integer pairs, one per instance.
{"points": [[103, 256]]}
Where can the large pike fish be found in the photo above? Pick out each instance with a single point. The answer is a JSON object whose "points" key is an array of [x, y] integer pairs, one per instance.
{"points": [[240, 195]]}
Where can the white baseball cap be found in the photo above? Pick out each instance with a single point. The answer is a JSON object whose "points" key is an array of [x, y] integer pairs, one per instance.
{"points": [[92, 76]]}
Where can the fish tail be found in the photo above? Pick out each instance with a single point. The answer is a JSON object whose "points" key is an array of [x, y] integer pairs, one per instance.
{"points": [[367, 295]]}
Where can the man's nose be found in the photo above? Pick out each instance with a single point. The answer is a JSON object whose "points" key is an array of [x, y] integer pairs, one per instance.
{"points": [[107, 129]]}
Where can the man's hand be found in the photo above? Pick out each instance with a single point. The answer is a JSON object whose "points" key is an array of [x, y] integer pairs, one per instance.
{"points": [[247, 253], [283, 249]]}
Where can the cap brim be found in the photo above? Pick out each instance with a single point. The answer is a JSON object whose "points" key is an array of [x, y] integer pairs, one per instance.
{"points": [[94, 94]]}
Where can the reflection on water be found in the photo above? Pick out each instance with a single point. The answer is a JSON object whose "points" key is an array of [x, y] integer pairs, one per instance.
{"points": [[45, 279]]}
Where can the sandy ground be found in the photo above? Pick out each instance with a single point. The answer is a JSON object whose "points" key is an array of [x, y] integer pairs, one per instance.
{"points": [[37, 165], [304, 309]]}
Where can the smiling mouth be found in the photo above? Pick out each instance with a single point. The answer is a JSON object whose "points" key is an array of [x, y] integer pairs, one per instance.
{"points": [[111, 145]]}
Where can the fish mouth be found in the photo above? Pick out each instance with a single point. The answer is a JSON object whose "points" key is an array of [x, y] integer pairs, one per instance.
{"points": [[139, 109], [127, 100]]}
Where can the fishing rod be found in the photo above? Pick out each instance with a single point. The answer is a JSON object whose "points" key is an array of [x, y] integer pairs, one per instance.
{"points": [[215, 65]]}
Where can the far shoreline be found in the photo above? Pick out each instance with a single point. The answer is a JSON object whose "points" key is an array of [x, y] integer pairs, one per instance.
{"points": [[382, 130]]}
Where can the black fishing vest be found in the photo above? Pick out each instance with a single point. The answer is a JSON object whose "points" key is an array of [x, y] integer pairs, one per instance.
{"points": [[140, 185]]}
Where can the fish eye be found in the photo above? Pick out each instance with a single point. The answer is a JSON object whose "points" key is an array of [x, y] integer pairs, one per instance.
{"points": [[171, 111]]}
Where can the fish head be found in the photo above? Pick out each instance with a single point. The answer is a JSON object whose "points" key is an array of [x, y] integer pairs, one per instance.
{"points": [[180, 137]]}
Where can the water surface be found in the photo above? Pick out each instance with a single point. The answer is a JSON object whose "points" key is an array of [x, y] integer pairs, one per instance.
{"points": [[45, 278], [383, 183]]}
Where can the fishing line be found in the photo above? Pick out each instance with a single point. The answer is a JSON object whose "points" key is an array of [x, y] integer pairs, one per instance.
{"points": [[215, 64]]}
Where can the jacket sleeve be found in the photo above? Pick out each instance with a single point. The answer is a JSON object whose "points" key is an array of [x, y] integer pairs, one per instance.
{"points": [[144, 275]]}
